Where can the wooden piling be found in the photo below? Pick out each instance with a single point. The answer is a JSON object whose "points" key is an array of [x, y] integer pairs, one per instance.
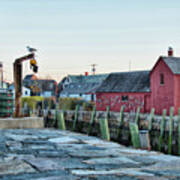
{"points": [[137, 115], [151, 117], [61, 121], [104, 129], [120, 120], [107, 112], [170, 131], [93, 115], [134, 131], [162, 128], [75, 117]]}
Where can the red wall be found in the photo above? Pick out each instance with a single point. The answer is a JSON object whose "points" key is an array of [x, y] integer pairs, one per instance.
{"points": [[176, 93], [114, 101], [162, 96]]}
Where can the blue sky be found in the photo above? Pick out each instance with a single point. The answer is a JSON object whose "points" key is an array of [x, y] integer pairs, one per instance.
{"points": [[70, 35]]}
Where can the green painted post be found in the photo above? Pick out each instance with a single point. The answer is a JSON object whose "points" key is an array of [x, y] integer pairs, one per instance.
{"points": [[170, 131], [162, 127], [75, 117], [134, 135], [107, 112], [56, 111], [137, 115], [61, 121], [179, 131], [120, 120], [104, 129], [93, 115], [151, 117]]}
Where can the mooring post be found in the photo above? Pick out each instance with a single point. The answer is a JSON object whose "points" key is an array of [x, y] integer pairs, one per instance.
{"points": [[61, 121], [179, 131], [104, 129], [134, 130], [137, 115], [75, 117], [151, 117], [162, 128], [93, 115], [170, 130], [120, 120]]}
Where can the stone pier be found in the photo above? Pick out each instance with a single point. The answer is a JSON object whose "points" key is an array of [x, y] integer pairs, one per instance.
{"points": [[20, 123], [48, 154]]}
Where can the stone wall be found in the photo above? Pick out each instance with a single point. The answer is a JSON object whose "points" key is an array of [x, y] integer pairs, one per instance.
{"points": [[124, 136]]}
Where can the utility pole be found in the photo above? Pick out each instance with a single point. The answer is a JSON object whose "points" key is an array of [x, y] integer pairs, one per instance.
{"points": [[93, 68]]}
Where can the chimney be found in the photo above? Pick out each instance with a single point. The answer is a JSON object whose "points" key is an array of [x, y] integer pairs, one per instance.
{"points": [[170, 51], [86, 74]]}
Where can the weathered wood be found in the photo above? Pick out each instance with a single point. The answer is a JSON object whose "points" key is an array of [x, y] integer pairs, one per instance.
{"points": [[179, 131], [120, 120], [151, 117], [137, 115], [134, 131], [93, 115], [61, 121], [75, 117], [144, 139], [162, 127], [18, 82], [170, 130], [104, 129], [107, 112]]}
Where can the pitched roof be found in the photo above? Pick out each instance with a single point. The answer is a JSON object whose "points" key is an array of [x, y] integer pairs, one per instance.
{"points": [[135, 81], [83, 84], [30, 77], [173, 63]]}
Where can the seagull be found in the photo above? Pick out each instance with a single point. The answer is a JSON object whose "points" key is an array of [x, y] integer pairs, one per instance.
{"points": [[31, 49]]}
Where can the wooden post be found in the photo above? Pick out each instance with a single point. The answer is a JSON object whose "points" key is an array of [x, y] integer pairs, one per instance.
{"points": [[61, 121], [104, 129], [107, 112], [75, 117], [162, 127], [151, 117], [93, 115], [18, 82], [179, 131], [137, 115], [170, 131], [120, 120], [134, 135]]}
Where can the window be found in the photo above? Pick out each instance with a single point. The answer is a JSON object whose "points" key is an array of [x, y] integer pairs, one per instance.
{"points": [[124, 98], [161, 79]]}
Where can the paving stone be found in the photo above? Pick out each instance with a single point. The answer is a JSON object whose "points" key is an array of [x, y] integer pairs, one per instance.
{"points": [[121, 161], [130, 172], [15, 167], [72, 163], [44, 164], [41, 147], [64, 140], [37, 175], [48, 154], [101, 143], [20, 137], [91, 153], [52, 153]]}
